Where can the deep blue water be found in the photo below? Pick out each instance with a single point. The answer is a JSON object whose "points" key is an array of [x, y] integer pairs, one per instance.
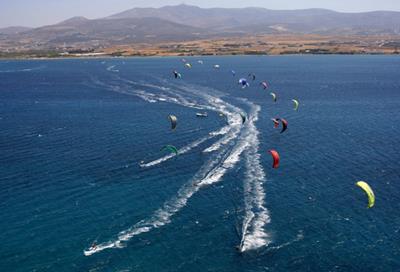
{"points": [[73, 134]]}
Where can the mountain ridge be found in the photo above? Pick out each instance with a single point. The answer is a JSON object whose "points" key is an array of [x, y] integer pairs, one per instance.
{"points": [[186, 22]]}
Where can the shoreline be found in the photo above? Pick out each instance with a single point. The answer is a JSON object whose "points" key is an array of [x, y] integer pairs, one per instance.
{"points": [[270, 45], [189, 55]]}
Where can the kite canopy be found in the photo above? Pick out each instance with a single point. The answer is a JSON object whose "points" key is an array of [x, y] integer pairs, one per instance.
{"points": [[177, 75], [244, 83], [171, 149], [296, 104], [284, 124], [188, 65], [243, 118], [371, 196], [274, 97], [252, 76], [275, 157], [173, 120], [265, 85]]}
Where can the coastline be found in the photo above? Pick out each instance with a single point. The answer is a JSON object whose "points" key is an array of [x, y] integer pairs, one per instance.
{"points": [[272, 45], [22, 57]]}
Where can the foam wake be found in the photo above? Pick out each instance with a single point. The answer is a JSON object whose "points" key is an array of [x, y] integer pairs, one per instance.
{"points": [[183, 150], [112, 69], [23, 69], [232, 113], [237, 139], [210, 173], [198, 98], [299, 237], [256, 217]]}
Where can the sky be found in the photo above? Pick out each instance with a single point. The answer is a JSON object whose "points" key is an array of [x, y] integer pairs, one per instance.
{"points": [[34, 13]]}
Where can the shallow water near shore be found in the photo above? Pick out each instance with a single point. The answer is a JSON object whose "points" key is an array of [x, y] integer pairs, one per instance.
{"points": [[81, 162]]}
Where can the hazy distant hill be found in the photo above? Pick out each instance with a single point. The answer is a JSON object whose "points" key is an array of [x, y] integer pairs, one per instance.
{"points": [[260, 19], [13, 30], [183, 22], [124, 30]]}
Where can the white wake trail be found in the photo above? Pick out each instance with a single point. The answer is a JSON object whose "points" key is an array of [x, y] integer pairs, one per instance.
{"points": [[299, 237], [112, 68], [238, 138], [173, 95], [231, 133], [23, 69], [182, 150], [232, 113], [257, 216], [211, 172]]}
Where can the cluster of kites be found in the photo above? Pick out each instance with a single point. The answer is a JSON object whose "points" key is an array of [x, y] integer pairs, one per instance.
{"points": [[277, 122]]}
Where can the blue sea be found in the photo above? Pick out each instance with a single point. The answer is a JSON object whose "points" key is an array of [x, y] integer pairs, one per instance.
{"points": [[82, 163]]}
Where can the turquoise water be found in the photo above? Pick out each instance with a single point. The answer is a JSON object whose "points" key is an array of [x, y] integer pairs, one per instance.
{"points": [[80, 162]]}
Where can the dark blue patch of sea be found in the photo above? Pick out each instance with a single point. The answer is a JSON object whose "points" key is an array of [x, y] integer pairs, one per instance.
{"points": [[81, 162]]}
